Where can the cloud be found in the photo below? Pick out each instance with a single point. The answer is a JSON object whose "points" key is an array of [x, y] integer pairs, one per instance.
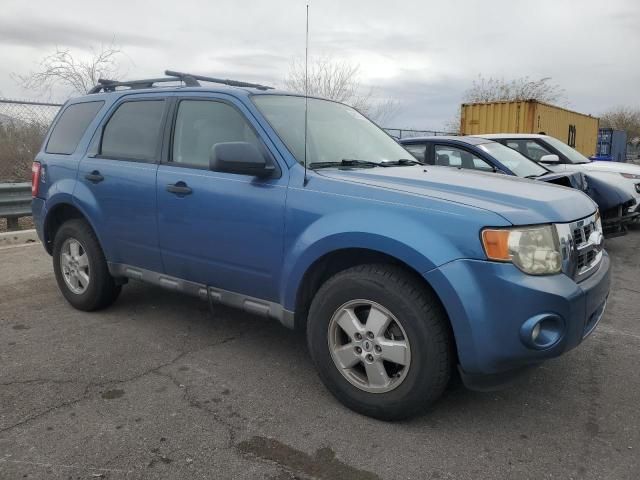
{"points": [[424, 54], [42, 33]]}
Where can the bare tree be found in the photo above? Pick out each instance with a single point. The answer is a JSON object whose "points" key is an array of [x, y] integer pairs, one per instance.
{"points": [[484, 90], [623, 118], [75, 73], [340, 81], [524, 88]]}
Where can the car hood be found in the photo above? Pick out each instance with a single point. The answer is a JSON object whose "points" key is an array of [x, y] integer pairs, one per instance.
{"points": [[600, 186], [618, 167], [519, 201]]}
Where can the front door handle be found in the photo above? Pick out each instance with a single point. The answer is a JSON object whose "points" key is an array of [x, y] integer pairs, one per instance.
{"points": [[179, 188], [94, 177]]}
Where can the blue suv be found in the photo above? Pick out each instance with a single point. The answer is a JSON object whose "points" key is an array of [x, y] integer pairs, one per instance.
{"points": [[302, 210]]}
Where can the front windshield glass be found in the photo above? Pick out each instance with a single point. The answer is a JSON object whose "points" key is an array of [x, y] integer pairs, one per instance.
{"points": [[517, 163], [572, 155], [336, 132]]}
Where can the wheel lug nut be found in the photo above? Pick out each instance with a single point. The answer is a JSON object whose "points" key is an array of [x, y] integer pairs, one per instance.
{"points": [[358, 336], [358, 350], [370, 358], [370, 335], [378, 348]]}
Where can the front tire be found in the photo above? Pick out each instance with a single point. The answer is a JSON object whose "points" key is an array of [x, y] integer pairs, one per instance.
{"points": [[81, 269], [380, 341]]}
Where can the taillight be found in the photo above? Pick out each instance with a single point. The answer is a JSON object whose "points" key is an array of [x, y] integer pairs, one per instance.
{"points": [[36, 168]]}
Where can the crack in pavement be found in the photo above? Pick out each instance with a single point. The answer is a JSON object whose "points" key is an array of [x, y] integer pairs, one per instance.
{"points": [[92, 385]]}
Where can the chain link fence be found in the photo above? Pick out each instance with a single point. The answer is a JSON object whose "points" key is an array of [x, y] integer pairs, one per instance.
{"points": [[408, 133], [23, 126]]}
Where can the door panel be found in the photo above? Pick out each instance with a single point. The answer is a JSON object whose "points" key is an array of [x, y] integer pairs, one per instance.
{"points": [[125, 210], [227, 233]]}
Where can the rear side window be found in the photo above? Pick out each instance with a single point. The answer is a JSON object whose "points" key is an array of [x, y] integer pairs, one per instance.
{"points": [[133, 131], [70, 127]]}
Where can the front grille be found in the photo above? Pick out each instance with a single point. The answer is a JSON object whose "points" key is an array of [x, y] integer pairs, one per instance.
{"points": [[586, 259], [587, 254]]}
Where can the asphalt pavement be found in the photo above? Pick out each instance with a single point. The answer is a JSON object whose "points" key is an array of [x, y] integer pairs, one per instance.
{"points": [[160, 387]]}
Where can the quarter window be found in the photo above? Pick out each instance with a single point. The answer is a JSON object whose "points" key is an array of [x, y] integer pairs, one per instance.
{"points": [[133, 131], [70, 127], [202, 124]]}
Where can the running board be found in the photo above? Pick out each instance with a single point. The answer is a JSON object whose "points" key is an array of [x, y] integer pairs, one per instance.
{"points": [[214, 295]]}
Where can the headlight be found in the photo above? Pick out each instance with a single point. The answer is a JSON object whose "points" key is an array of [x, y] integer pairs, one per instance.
{"points": [[632, 176], [534, 250]]}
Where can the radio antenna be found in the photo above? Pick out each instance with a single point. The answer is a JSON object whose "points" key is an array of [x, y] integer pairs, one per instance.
{"points": [[306, 96]]}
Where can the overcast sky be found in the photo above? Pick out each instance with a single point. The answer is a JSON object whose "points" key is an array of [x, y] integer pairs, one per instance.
{"points": [[422, 53]]}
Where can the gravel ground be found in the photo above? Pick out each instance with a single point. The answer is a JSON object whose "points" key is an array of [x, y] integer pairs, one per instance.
{"points": [[159, 387]]}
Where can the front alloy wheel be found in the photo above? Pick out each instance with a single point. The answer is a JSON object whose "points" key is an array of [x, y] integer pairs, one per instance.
{"points": [[369, 346], [380, 340]]}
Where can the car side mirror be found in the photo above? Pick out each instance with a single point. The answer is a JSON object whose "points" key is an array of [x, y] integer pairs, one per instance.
{"points": [[242, 158], [550, 158]]}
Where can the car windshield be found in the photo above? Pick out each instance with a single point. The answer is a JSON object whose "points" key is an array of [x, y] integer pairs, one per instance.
{"points": [[335, 133], [571, 154], [517, 163]]}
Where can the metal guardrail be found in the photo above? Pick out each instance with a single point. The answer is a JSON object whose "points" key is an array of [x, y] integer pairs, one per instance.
{"points": [[15, 202]]}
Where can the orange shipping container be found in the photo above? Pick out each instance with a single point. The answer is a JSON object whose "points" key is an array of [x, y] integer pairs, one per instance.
{"points": [[530, 116]]}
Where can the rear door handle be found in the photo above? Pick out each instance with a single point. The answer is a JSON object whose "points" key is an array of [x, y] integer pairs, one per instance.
{"points": [[179, 188], [94, 177]]}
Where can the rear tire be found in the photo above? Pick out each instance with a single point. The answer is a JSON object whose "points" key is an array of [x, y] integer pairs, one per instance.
{"points": [[81, 269], [369, 371]]}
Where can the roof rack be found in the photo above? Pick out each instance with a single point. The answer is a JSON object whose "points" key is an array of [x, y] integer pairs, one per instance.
{"points": [[190, 80]]}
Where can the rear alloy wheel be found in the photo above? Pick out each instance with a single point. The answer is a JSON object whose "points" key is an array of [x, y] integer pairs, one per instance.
{"points": [[81, 269], [380, 340], [74, 263]]}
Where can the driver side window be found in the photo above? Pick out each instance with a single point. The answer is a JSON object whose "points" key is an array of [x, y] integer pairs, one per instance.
{"points": [[200, 124], [458, 157], [529, 148]]}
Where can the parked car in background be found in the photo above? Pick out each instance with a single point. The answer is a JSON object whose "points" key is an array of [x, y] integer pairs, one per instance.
{"points": [[560, 157], [476, 153], [398, 273]]}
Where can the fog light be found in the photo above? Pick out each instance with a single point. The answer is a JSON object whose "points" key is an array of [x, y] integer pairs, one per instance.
{"points": [[542, 331], [535, 332]]}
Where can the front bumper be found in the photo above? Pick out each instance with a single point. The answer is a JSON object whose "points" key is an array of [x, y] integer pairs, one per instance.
{"points": [[488, 303]]}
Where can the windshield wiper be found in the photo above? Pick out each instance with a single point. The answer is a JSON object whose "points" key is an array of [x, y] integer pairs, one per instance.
{"points": [[402, 162], [345, 162]]}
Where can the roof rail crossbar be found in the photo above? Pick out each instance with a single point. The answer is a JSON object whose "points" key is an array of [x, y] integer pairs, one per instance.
{"points": [[106, 85], [190, 80], [231, 83]]}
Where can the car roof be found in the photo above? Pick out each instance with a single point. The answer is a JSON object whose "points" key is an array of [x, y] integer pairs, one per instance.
{"points": [[232, 90], [511, 135], [470, 140]]}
